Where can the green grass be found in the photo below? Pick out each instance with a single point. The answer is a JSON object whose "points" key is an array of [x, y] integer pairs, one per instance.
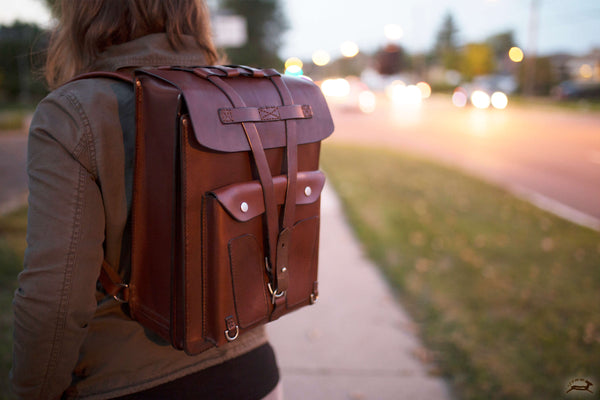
{"points": [[12, 247], [506, 296], [12, 117]]}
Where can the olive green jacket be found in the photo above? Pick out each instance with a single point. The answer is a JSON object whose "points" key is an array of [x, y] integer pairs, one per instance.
{"points": [[80, 168]]}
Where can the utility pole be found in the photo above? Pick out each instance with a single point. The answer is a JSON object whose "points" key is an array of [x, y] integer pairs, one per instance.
{"points": [[531, 55]]}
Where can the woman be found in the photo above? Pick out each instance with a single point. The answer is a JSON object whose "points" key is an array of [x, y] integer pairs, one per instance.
{"points": [[70, 341]]}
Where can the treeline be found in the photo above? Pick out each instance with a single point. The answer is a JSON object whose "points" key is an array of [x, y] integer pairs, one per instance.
{"points": [[22, 54]]}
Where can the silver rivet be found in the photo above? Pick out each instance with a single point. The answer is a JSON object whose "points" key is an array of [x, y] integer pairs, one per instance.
{"points": [[307, 191], [244, 206], [283, 269]]}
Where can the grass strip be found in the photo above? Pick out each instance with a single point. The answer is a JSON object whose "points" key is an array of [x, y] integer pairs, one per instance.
{"points": [[12, 248], [505, 295]]}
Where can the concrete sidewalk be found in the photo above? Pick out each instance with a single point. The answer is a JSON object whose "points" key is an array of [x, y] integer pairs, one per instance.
{"points": [[356, 343]]}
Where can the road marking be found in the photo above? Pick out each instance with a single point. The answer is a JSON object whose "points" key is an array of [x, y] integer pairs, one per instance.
{"points": [[556, 207]]}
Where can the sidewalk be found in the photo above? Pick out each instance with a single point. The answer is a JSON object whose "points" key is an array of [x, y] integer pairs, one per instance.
{"points": [[356, 343]]}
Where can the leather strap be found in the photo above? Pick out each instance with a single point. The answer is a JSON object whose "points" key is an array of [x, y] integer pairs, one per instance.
{"points": [[109, 278], [263, 114], [112, 283], [122, 76], [260, 159], [289, 206]]}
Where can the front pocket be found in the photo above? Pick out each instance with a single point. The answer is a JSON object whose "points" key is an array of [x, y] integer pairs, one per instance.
{"points": [[248, 279], [235, 278]]}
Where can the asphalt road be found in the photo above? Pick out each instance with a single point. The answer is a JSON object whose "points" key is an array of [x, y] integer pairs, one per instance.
{"points": [[548, 155]]}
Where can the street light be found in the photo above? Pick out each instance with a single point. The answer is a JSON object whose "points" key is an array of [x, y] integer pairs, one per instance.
{"points": [[349, 49], [321, 57], [515, 54], [393, 32]]}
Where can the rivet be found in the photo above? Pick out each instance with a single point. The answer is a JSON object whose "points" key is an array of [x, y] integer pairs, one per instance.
{"points": [[138, 83], [284, 269], [244, 206], [307, 191]]}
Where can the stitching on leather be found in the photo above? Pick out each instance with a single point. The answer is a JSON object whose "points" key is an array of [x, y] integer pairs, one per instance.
{"points": [[226, 115], [269, 113], [307, 110]]}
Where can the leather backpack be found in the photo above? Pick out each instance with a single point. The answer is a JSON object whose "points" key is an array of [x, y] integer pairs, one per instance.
{"points": [[226, 201]]}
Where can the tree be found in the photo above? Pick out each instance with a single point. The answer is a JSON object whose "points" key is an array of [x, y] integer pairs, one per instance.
{"points": [[446, 48], [545, 76], [501, 44], [478, 59], [390, 60], [21, 54], [266, 24]]}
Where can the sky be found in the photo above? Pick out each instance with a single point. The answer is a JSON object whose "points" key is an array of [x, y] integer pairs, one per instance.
{"points": [[563, 25]]}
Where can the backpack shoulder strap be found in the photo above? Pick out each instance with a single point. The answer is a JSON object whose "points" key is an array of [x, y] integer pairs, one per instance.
{"points": [[122, 76], [109, 277]]}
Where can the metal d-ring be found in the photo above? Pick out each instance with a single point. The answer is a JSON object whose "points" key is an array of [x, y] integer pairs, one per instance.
{"points": [[277, 294], [116, 296], [229, 338], [313, 298]]}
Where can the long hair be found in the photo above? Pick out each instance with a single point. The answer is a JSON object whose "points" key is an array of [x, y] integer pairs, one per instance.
{"points": [[87, 27]]}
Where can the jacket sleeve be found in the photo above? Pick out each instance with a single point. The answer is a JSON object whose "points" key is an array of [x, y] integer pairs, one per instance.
{"points": [[55, 299]]}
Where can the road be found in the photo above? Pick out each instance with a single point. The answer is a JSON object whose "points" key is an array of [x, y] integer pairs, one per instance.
{"points": [[548, 155]]}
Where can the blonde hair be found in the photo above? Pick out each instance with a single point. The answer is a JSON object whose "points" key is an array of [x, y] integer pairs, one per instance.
{"points": [[87, 27]]}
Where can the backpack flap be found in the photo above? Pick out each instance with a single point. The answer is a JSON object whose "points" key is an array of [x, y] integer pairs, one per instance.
{"points": [[217, 124]]}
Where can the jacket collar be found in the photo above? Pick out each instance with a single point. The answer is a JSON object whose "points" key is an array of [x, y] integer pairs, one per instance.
{"points": [[152, 50]]}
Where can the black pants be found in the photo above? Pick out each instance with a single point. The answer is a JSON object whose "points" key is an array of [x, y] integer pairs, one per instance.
{"points": [[250, 376]]}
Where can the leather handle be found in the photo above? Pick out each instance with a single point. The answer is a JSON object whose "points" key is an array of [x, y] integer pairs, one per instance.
{"points": [[264, 114]]}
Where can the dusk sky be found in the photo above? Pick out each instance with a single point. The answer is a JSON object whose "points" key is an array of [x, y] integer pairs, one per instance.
{"points": [[571, 26]]}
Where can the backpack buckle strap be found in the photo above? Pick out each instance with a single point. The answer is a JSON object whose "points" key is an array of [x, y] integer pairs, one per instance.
{"points": [[113, 284]]}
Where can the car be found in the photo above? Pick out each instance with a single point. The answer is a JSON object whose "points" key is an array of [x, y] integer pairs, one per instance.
{"points": [[577, 90]]}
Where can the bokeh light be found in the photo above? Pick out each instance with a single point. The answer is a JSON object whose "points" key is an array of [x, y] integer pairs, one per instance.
{"points": [[293, 61], [480, 99], [338, 87], [349, 49], [367, 101], [425, 89], [321, 57], [294, 70], [586, 71], [515, 54], [459, 97], [402, 94], [393, 32], [499, 100]]}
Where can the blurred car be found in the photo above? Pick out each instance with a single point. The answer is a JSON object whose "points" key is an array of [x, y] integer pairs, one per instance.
{"points": [[576, 90], [350, 94], [489, 91]]}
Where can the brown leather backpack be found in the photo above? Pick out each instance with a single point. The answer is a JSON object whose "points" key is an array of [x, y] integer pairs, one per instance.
{"points": [[226, 201]]}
